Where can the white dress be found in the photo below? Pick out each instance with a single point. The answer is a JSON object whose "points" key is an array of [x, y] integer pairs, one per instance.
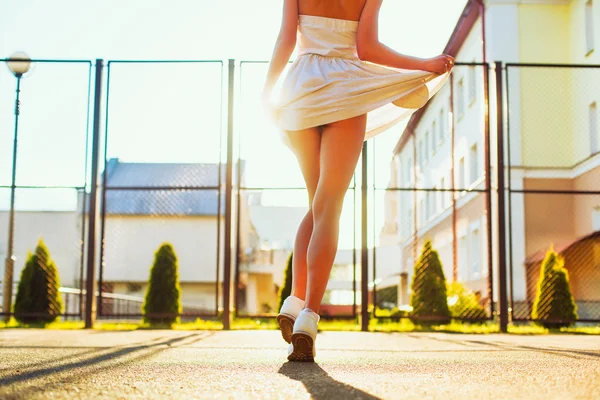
{"points": [[328, 82]]}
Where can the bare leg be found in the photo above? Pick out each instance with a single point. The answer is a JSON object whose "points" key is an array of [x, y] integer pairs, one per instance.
{"points": [[341, 144], [306, 146]]}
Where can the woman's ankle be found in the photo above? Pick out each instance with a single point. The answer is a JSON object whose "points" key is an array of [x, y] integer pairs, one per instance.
{"points": [[299, 295]]}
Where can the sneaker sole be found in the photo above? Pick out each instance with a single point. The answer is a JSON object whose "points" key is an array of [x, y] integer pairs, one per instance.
{"points": [[303, 348], [286, 325]]}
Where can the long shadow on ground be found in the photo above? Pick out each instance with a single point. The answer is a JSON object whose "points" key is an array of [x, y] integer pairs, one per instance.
{"points": [[87, 366], [319, 384]]}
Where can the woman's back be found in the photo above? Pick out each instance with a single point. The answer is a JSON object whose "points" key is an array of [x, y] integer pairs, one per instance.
{"points": [[339, 9]]}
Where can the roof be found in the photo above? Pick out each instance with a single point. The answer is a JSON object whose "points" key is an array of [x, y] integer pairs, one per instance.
{"points": [[192, 188], [539, 256], [463, 27]]}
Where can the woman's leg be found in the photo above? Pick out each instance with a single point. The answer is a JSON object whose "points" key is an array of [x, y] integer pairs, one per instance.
{"points": [[341, 144], [306, 146]]}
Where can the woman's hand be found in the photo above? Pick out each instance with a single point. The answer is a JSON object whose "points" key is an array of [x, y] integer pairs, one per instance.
{"points": [[439, 65]]}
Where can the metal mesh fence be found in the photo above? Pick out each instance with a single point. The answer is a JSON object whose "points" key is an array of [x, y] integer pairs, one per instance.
{"points": [[438, 191], [551, 222], [552, 117], [554, 174], [162, 183], [47, 118]]}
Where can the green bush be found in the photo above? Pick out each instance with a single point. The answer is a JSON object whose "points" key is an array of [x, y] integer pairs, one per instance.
{"points": [[428, 299], [286, 289], [38, 299], [554, 306], [162, 303], [464, 303]]}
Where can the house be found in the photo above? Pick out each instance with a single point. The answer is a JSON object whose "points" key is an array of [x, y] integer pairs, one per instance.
{"points": [[180, 206], [553, 144], [582, 261]]}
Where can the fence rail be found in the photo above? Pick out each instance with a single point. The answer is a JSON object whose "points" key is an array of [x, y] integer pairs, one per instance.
{"points": [[478, 173]]}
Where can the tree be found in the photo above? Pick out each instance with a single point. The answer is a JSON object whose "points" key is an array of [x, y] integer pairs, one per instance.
{"points": [[286, 289], [554, 305], [428, 299], [38, 298], [162, 303]]}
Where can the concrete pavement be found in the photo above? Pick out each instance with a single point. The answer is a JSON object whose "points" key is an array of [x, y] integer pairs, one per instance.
{"points": [[145, 364]]}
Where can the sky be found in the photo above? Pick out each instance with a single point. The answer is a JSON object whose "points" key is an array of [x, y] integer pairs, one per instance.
{"points": [[165, 112]]}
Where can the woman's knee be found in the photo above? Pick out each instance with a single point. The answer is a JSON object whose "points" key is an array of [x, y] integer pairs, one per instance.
{"points": [[327, 204]]}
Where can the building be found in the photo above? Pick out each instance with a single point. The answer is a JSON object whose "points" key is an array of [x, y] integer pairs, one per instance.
{"points": [[276, 228], [180, 207], [553, 143], [60, 229]]}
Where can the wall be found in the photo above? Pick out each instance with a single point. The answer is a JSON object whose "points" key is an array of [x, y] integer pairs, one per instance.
{"points": [[131, 242], [193, 294], [61, 232]]}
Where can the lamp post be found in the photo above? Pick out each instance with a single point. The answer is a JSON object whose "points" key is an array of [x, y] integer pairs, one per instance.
{"points": [[19, 64]]}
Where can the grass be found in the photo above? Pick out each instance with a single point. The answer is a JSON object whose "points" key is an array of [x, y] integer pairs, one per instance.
{"points": [[375, 325], [62, 325]]}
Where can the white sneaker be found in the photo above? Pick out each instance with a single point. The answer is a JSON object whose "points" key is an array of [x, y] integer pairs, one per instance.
{"points": [[291, 307], [303, 346]]}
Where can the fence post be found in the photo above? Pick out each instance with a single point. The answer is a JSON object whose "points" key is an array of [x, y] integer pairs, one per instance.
{"points": [[364, 261], [228, 207], [502, 278], [90, 296]]}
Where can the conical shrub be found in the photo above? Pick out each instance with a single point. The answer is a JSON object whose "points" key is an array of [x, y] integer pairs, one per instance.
{"points": [[162, 303], [554, 305], [38, 298], [286, 290], [428, 298]]}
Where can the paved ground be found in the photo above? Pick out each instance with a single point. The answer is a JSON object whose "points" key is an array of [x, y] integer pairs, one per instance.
{"points": [[252, 364]]}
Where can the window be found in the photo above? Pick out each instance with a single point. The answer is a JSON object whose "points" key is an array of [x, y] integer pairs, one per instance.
{"points": [[422, 211], [427, 148], [594, 145], [472, 84], [408, 169], [461, 173], [443, 194], [434, 135], [442, 126], [596, 219], [434, 202], [408, 226], [463, 259], [589, 26], [420, 154], [427, 206], [474, 163], [448, 194], [475, 254], [460, 98]]}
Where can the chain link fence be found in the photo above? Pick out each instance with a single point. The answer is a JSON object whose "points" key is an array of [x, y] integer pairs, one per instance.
{"points": [[553, 180], [44, 169], [162, 183], [438, 191]]}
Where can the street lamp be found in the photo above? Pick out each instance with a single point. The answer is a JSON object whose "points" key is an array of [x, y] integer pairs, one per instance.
{"points": [[19, 64]]}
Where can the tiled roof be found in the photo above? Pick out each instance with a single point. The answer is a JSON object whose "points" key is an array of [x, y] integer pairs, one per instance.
{"points": [[176, 189], [539, 255]]}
